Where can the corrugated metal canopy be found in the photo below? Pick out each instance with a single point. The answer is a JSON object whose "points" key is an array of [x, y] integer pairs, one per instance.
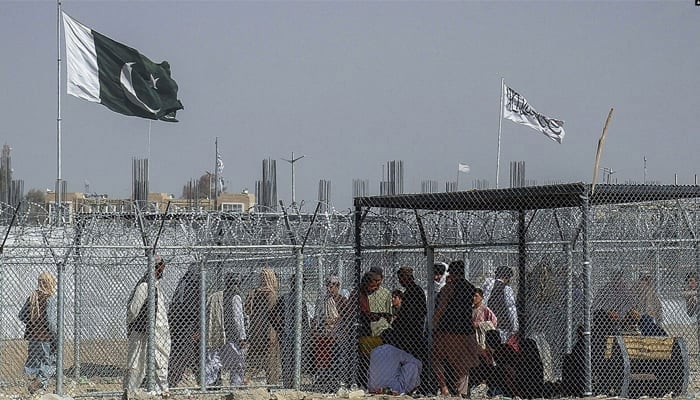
{"points": [[531, 197]]}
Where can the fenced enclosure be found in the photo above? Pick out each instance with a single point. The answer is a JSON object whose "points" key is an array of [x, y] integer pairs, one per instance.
{"points": [[603, 285], [628, 244]]}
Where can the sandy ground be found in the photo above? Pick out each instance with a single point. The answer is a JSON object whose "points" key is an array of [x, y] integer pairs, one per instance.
{"points": [[109, 388], [103, 380], [88, 391]]}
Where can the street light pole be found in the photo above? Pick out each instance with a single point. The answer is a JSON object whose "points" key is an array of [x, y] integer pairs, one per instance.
{"points": [[292, 161], [609, 172]]}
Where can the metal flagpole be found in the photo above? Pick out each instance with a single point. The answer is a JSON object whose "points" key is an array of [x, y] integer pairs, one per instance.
{"points": [[216, 173], [58, 114], [500, 122], [457, 178], [60, 314], [148, 151], [148, 156]]}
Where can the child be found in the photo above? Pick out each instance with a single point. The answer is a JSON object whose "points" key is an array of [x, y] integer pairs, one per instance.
{"points": [[396, 299]]}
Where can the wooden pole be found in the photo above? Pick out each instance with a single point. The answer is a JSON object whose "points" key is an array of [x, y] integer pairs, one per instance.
{"points": [[601, 142]]}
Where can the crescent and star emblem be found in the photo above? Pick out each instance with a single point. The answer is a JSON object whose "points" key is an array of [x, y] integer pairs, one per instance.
{"points": [[128, 87]]}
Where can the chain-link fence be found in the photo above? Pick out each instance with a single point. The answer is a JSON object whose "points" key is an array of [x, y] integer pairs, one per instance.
{"points": [[293, 301], [570, 292], [100, 292]]}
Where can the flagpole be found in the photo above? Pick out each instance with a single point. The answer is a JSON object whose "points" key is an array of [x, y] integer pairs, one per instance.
{"points": [[60, 313], [500, 122], [150, 123], [148, 156], [58, 114], [457, 178], [216, 173]]}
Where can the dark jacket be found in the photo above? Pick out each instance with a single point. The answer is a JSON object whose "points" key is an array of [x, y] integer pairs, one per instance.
{"points": [[453, 314], [183, 313], [407, 329]]}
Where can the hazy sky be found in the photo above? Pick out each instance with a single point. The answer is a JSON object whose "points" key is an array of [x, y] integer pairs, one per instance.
{"points": [[352, 85]]}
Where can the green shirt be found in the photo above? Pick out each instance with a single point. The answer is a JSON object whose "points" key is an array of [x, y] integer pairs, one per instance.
{"points": [[380, 302]]}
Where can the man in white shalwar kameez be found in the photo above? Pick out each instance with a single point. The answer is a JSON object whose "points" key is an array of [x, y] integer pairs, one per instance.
{"points": [[137, 330]]}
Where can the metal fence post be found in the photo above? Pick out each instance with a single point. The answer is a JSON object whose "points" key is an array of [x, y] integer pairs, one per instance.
{"points": [[61, 327], [523, 285], [697, 259], [697, 273], [430, 301], [587, 300], [299, 284], [569, 299], [4, 300], [76, 321], [151, 347], [2, 282], [77, 302], [202, 325], [354, 355]]}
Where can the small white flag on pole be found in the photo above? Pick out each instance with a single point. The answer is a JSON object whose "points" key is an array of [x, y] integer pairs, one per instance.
{"points": [[219, 171], [463, 168], [516, 109]]}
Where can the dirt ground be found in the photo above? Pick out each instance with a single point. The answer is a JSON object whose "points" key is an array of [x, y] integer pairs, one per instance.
{"points": [[100, 379], [109, 388], [109, 391]]}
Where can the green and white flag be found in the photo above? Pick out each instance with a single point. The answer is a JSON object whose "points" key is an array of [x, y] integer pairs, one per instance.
{"points": [[122, 79]]}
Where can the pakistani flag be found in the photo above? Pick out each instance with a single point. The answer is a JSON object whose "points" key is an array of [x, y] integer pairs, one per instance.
{"points": [[118, 76]]}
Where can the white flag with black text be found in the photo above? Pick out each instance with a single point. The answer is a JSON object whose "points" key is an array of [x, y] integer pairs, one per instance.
{"points": [[516, 109], [219, 172]]}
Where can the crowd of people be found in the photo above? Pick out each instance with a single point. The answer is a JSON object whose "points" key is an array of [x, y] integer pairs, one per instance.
{"points": [[472, 338], [400, 358], [255, 338]]}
